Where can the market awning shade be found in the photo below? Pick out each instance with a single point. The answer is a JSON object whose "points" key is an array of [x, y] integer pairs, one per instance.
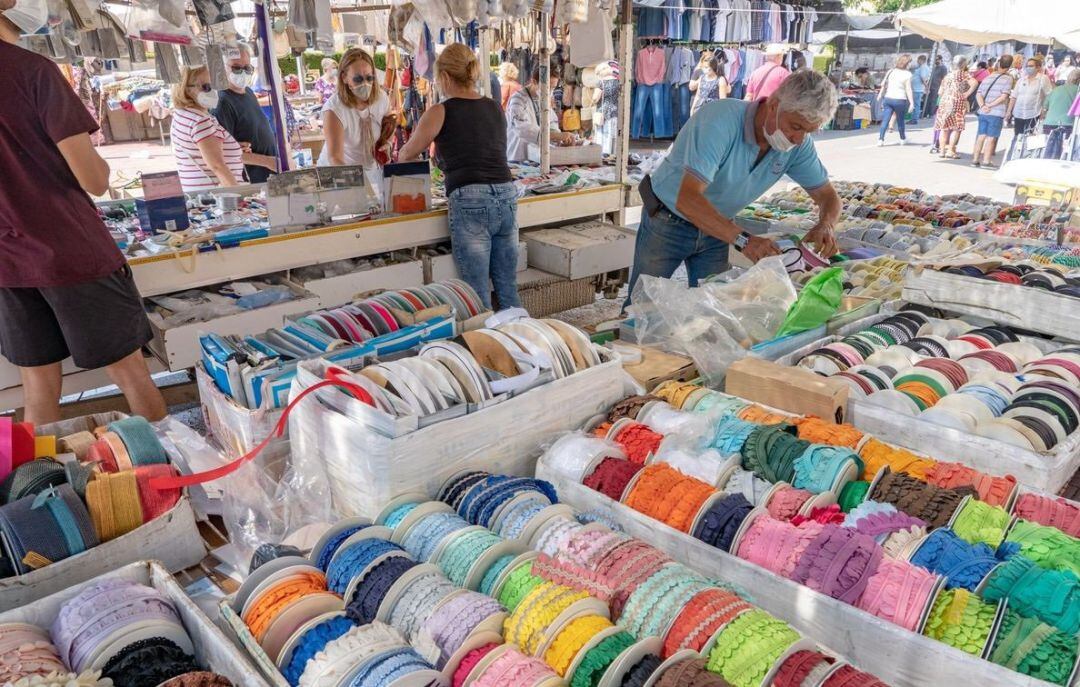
{"points": [[978, 22]]}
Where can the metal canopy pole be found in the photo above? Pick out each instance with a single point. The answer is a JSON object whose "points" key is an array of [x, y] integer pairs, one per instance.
{"points": [[273, 83], [626, 46], [545, 94], [485, 63]]}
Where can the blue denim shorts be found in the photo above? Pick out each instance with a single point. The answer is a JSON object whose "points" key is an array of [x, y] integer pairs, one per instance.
{"points": [[990, 125]]}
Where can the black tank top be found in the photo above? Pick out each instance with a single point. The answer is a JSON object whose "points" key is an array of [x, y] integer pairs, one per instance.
{"points": [[471, 146]]}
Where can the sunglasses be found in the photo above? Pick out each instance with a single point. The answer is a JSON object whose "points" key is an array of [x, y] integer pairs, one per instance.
{"points": [[243, 70], [359, 79], [205, 88]]}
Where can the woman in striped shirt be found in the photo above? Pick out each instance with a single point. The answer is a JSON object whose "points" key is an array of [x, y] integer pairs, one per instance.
{"points": [[207, 156]]}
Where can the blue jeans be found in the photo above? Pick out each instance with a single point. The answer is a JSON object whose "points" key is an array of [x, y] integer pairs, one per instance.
{"points": [[888, 106], [916, 111], [680, 106], [652, 111], [484, 235], [664, 241]]}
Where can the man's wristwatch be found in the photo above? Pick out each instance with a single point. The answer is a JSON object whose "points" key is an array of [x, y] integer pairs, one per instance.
{"points": [[741, 240]]}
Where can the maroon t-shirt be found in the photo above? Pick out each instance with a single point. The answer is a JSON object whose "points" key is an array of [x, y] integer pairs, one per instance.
{"points": [[50, 232]]}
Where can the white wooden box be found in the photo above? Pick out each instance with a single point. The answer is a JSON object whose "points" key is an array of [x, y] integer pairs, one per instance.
{"points": [[588, 154], [213, 650], [1024, 307], [362, 469], [342, 289], [581, 250], [178, 347], [172, 537], [1049, 471], [897, 656]]}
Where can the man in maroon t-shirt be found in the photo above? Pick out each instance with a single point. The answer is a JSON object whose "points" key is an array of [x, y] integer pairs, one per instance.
{"points": [[65, 288]]}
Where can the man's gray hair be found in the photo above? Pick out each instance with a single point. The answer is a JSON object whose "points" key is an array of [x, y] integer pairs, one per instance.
{"points": [[959, 62], [809, 94]]}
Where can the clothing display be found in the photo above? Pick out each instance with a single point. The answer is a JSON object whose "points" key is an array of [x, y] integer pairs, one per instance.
{"points": [[726, 21]]}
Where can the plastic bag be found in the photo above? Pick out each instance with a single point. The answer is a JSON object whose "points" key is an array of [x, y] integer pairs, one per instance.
{"points": [[160, 21], [818, 301], [717, 322]]}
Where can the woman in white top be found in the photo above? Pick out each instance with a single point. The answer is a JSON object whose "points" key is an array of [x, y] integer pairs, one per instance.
{"points": [[896, 97], [357, 121], [1027, 97], [207, 156]]}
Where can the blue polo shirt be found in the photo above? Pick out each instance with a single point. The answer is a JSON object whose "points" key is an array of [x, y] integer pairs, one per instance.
{"points": [[717, 146]]}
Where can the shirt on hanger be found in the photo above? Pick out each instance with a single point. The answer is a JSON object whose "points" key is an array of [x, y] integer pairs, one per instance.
{"points": [[680, 65], [757, 20], [721, 17], [650, 67]]}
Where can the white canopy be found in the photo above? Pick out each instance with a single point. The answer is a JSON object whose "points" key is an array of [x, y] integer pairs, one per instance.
{"points": [[978, 22]]}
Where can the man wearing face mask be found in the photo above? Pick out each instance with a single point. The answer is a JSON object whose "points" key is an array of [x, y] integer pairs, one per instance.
{"points": [[65, 288], [523, 118], [729, 154], [239, 113]]}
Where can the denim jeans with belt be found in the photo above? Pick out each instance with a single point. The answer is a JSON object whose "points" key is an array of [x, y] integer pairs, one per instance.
{"points": [[665, 240], [888, 106], [484, 235]]}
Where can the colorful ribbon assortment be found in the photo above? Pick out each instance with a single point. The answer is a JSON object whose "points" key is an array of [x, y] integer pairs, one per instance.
{"points": [[52, 511], [873, 549], [112, 632]]}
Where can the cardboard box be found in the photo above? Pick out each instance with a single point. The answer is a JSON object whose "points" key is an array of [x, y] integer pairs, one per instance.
{"points": [[788, 388], [342, 289], [657, 367], [442, 267], [213, 650], [581, 250]]}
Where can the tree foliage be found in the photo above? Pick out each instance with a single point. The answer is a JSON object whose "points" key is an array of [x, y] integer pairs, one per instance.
{"points": [[885, 6]]}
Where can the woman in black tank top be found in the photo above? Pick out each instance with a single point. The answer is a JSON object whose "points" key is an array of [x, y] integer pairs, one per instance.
{"points": [[469, 132]]}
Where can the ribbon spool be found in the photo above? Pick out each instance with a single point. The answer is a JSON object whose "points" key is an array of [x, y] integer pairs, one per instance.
{"points": [[575, 456]]}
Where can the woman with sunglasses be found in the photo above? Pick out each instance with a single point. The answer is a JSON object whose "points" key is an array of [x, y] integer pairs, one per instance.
{"points": [[357, 121], [207, 156]]}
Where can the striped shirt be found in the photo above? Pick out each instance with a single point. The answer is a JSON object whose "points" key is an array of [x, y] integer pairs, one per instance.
{"points": [[188, 128]]}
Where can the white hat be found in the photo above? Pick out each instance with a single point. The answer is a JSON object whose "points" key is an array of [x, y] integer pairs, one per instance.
{"points": [[775, 49]]}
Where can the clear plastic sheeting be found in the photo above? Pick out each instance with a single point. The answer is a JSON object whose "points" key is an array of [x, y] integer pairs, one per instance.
{"points": [[716, 322], [236, 428]]}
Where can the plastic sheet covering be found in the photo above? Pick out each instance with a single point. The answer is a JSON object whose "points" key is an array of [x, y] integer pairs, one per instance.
{"points": [[717, 322], [897, 656], [365, 457], [273, 496], [163, 21], [236, 428]]}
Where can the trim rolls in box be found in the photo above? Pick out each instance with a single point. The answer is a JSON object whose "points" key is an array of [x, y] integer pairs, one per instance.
{"points": [[363, 469], [212, 649]]}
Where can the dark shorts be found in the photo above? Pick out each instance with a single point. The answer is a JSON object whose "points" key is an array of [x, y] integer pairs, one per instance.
{"points": [[96, 323], [1022, 126]]}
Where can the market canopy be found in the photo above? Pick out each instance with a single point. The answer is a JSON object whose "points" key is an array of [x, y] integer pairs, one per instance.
{"points": [[978, 22]]}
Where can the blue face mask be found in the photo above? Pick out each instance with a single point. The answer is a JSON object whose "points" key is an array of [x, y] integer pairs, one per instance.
{"points": [[1030, 71]]}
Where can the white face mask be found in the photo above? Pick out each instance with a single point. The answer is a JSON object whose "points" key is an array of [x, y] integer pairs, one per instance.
{"points": [[207, 100], [28, 15], [241, 80], [778, 140], [363, 91]]}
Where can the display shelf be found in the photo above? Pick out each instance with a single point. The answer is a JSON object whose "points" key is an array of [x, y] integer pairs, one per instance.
{"points": [[161, 274], [1017, 306], [75, 380]]}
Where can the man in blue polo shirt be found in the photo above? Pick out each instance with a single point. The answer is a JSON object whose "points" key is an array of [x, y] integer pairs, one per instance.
{"points": [[729, 154]]}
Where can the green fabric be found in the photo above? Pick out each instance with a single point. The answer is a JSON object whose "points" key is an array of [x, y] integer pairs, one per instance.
{"points": [[818, 301], [1058, 103]]}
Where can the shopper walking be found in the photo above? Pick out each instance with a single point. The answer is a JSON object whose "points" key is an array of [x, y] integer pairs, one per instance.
{"points": [[357, 120], [937, 76], [469, 132], [768, 77], [238, 111], [65, 288], [508, 79], [326, 84], [523, 118], [727, 155], [1057, 122], [207, 156], [896, 98], [992, 99], [920, 82], [956, 87], [712, 85], [1027, 98]]}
